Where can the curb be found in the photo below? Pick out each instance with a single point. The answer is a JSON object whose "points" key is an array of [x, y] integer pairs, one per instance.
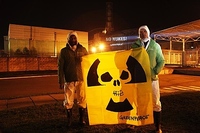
{"points": [[30, 101]]}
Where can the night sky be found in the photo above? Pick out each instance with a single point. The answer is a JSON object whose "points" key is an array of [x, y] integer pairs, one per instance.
{"points": [[88, 15]]}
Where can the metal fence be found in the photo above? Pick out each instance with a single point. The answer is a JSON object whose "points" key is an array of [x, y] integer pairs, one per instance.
{"points": [[188, 58]]}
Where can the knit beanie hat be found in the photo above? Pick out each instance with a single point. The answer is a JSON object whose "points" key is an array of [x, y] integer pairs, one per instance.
{"points": [[72, 33], [146, 28]]}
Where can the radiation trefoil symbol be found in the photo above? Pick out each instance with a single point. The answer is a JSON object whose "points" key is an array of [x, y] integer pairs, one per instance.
{"points": [[117, 76]]}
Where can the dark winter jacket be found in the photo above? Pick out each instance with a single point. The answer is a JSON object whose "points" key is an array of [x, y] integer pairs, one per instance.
{"points": [[69, 64]]}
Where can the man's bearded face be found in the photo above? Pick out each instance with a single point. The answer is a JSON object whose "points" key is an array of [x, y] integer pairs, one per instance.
{"points": [[72, 40]]}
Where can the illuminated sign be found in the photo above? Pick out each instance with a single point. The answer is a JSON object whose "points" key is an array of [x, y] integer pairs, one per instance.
{"points": [[121, 38]]}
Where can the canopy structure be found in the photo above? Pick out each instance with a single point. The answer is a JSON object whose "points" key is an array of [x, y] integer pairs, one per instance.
{"points": [[188, 32]]}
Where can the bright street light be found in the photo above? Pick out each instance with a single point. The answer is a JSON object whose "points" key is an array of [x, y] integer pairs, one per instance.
{"points": [[93, 49], [101, 47]]}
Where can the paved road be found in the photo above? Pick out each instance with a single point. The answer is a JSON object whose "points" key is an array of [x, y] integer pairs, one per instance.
{"points": [[12, 87], [178, 80], [16, 92], [48, 84], [172, 83], [175, 89]]}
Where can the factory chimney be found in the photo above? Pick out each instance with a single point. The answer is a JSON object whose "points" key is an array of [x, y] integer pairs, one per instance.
{"points": [[109, 17]]}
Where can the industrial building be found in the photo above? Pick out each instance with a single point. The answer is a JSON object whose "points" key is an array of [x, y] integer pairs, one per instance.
{"points": [[24, 40]]}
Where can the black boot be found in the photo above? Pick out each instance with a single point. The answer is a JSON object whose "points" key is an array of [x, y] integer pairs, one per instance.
{"points": [[157, 121], [82, 115], [69, 117]]}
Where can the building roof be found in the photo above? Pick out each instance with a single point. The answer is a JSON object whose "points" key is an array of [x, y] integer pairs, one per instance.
{"points": [[188, 32]]}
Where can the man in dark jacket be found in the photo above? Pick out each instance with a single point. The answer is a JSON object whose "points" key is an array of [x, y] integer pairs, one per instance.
{"points": [[70, 76]]}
